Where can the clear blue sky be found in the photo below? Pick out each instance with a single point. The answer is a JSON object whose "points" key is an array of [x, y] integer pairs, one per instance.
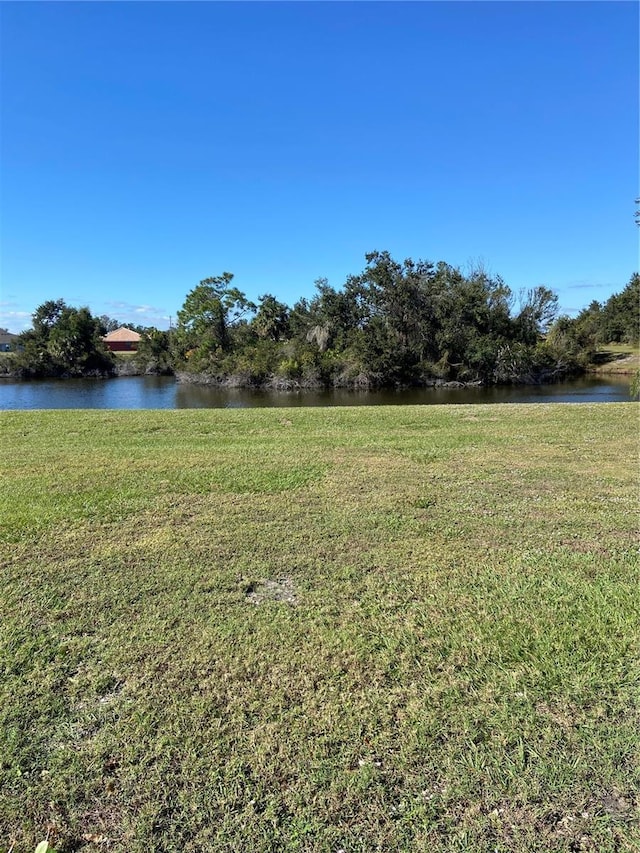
{"points": [[146, 146]]}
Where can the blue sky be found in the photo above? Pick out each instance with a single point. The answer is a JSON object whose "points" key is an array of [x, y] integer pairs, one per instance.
{"points": [[146, 146]]}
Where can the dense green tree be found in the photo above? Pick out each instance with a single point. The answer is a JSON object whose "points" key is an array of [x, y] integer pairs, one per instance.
{"points": [[205, 321], [568, 345], [299, 319], [272, 319], [588, 327], [537, 314], [154, 352], [45, 318], [620, 316], [332, 317], [395, 323], [398, 297], [109, 324], [63, 341], [391, 317], [615, 321]]}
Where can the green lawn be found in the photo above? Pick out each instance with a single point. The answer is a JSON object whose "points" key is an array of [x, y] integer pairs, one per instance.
{"points": [[616, 358], [351, 629]]}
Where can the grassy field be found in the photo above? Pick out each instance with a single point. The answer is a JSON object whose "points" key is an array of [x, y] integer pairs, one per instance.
{"points": [[617, 359], [372, 629]]}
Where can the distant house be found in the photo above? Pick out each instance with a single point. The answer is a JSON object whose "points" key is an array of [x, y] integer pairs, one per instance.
{"points": [[6, 339], [122, 340]]}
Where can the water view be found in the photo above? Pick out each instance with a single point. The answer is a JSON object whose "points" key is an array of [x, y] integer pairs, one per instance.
{"points": [[161, 392]]}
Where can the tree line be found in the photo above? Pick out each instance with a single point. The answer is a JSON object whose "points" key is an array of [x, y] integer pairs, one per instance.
{"points": [[407, 323]]}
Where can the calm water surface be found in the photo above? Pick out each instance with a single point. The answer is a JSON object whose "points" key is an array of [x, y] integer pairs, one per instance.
{"points": [[162, 392]]}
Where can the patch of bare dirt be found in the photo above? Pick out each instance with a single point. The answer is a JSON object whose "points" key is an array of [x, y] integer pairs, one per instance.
{"points": [[281, 589]]}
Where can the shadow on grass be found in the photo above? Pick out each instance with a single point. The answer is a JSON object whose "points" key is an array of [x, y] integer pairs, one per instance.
{"points": [[608, 356]]}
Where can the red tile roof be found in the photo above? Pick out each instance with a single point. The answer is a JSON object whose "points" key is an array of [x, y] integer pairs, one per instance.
{"points": [[122, 334]]}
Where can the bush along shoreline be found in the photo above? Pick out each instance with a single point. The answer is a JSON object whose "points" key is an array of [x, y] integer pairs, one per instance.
{"points": [[358, 383], [395, 325]]}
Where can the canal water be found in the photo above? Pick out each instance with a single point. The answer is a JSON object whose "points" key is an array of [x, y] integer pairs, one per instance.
{"points": [[162, 392]]}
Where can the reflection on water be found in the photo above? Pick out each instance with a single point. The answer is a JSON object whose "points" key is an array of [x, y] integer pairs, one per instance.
{"points": [[135, 392], [162, 392], [582, 390]]}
